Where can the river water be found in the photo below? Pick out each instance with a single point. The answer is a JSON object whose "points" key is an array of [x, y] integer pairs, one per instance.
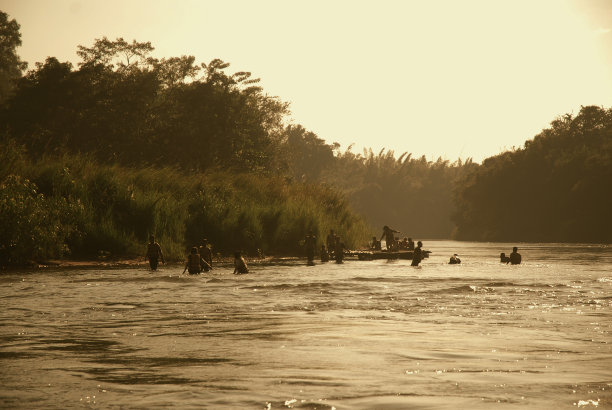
{"points": [[360, 335]]}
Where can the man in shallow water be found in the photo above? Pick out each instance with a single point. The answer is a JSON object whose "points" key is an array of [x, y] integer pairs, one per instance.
{"points": [[240, 265], [154, 253], [515, 257]]}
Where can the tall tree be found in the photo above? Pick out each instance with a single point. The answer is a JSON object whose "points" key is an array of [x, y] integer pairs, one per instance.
{"points": [[11, 66]]}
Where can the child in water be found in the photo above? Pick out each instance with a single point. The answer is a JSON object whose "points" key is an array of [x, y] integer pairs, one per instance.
{"points": [[240, 265]]}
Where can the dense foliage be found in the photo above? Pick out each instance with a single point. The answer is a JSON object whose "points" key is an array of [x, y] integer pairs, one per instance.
{"points": [[558, 188], [75, 206], [123, 106]]}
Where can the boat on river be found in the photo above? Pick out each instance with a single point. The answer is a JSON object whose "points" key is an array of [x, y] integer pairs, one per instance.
{"points": [[369, 255]]}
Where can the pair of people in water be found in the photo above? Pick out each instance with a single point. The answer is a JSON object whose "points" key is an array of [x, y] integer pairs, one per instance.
{"points": [[196, 263], [335, 247], [514, 258]]}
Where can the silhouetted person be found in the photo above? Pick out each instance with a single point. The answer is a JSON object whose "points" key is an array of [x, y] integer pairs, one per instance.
{"points": [[515, 257], [417, 256], [195, 263], [240, 265], [410, 244], [154, 253], [375, 244], [339, 250], [389, 235], [331, 241], [206, 254], [310, 242], [324, 254], [454, 260], [503, 258]]}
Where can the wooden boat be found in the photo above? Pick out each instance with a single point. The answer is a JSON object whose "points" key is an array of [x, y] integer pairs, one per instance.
{"points": [[369, 255]]}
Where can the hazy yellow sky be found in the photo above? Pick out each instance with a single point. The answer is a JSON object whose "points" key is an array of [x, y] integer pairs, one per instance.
{"points": [[450, 78]]}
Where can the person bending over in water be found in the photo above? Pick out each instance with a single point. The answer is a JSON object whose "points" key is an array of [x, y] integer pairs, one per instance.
{"points": [[240, 265], [195, 263], [154, 253], [417, 256], [515, 257], [503, 258], [454, 260]]}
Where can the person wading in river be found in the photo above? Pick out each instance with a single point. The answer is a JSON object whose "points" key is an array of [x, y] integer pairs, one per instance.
{"points": [[240, 265], [154, 253], [311, 242], [206, 254], [417, 257], [195, 263]]}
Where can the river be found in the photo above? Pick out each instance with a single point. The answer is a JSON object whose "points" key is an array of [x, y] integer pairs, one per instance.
{"points": [[359, 335]]}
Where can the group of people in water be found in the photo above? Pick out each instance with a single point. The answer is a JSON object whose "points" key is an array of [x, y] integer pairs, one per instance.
{"points": [[200, 257], [333, 248], [513, 259]]}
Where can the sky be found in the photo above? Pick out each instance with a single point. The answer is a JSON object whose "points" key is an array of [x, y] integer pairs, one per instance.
{"points": [[440, 78]]}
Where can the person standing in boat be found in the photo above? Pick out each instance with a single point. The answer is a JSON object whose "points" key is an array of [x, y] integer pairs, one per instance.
{"points": [[417, 256], [410, 244], [389, 235], [154, 253], [240, 265], [310, 242]]}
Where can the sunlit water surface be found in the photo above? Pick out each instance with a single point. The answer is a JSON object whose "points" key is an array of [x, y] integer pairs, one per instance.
{"points": [[360, 335]]}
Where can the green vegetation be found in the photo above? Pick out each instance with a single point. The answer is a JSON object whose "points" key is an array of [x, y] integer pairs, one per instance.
{"points": [[75, 206], [555, 189]]}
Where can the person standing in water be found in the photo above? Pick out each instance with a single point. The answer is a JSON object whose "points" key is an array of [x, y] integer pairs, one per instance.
{"points": [[331, 242], [339, 250], [324, 254], [195, 263], [240, 265], [206, 254], [154, 253], [515, 257], [417, 256], [310, 242]]}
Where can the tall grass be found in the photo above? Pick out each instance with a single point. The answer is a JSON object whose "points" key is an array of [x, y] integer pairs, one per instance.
{"points": [[120, 207]]}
